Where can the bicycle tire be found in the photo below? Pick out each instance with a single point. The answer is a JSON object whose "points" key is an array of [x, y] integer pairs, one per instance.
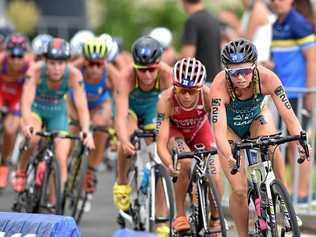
{"points": [[74, 187], [279, 190], [43, 204], [217, 204], [161, 173]]}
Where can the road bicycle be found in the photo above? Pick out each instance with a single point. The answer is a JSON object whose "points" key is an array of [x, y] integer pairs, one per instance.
{"points": [[144, 177], [203, 195], [42, 177], [270, 207]]}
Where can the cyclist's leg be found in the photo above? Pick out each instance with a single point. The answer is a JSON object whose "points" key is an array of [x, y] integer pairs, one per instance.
{"points": [[238, 203], [204, 136], [62, 146], [100, 116], [11, 127], [121, 190], [19, 179], [264, 125], [177, 142]]}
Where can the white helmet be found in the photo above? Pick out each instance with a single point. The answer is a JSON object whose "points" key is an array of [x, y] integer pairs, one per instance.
{"points": [[78, 39], [39, 44], [111, 45], [163, 35]]}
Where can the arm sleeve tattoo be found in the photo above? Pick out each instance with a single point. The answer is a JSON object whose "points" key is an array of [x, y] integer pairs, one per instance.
{"points": [[216, 102], [279, 91]]}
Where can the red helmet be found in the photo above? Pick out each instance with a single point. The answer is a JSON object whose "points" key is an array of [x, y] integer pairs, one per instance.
{"points": [[189, 72], [17, 44]]}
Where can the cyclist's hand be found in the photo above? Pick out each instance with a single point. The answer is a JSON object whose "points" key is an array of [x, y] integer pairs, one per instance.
{"points": [[174, 172], [87, 139], [28, 131], [302, 153], [231, 162], [128, 148]]}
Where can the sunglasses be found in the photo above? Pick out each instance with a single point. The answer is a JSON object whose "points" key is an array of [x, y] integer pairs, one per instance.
{"points": [[235, 72], [183, 91], [16, 56], [150, 69], [95, 63]]}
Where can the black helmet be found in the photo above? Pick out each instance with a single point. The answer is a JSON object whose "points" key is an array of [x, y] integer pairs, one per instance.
{"points": [[146, 51], [239, 51], [58, 49]]}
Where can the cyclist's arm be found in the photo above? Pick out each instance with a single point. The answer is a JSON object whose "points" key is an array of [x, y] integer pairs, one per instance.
{"points": [[113, 75], [28, 94], [165, 73], [162, 127], [219, 98], [121, 102], [273, 86], [80, 99]]}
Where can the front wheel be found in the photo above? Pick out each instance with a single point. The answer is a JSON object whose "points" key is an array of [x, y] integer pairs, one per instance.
{"points": [[163, 188], [286, 220]]}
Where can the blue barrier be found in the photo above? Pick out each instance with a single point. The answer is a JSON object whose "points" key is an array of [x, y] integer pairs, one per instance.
{"points": [[132, 233], [37, 225]]}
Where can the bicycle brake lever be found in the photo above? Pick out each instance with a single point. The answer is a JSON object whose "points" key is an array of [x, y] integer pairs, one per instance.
{"points": [[175, 161], [304, 144], [236, 155]]}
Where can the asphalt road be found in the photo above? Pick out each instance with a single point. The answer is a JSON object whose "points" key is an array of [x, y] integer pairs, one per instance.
{"points": [[100, 221]]}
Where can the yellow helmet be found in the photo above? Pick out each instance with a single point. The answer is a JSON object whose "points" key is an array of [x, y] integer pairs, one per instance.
{"points": [[95, 49]]}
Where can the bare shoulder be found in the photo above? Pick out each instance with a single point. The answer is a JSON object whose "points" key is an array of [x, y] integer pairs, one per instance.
{"points": [[219, 83], [165, 95], [165, 72], [268, 80]]}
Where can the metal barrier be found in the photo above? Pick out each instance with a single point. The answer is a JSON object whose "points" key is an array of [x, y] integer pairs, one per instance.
{"points": [[310, 129]]}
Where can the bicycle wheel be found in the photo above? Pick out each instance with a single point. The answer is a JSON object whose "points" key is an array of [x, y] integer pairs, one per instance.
{"points": [[28, 200], [286, 222], [215, 203], [160, 175], [51, 186], [73, 192]]}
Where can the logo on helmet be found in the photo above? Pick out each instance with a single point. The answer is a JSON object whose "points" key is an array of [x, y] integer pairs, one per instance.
{"points": [[237, 57]]}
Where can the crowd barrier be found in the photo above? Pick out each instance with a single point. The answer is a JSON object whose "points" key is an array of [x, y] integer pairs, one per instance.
{"points": [[132, 233], [37, 225]]}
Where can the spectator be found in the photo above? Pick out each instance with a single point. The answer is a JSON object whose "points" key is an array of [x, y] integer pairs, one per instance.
{"points": [[201, 37], [293, 53]]}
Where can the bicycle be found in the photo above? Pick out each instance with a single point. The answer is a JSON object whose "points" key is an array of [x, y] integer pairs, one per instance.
{"points": [[43, 174], [75, 198], [268, 199], [143, 179], [202, 192]]}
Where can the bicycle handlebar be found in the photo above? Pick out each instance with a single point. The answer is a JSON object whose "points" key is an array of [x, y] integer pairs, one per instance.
{"points": [[266, 141], [199, 152], [139, 133]]}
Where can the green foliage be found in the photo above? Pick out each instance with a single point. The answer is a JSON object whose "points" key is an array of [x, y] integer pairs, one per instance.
{"points": [[130, 19]]}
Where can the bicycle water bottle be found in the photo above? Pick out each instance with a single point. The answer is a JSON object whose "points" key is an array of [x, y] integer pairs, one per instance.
{"points": [[145, 180]]}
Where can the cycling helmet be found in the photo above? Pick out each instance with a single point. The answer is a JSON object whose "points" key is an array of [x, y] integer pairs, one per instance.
{"points": [[239, 51], [17, 44], [189, 73], [146, 51], [78, 39], [163, 35], [94, 49], [58, 49], [39, 44], [111, 45]]}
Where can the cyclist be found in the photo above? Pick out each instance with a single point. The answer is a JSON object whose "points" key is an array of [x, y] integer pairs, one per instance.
{"points": [[182, 122], [136, 96], [98, 76], [238, 111], [43, 104], [13, 67]]}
